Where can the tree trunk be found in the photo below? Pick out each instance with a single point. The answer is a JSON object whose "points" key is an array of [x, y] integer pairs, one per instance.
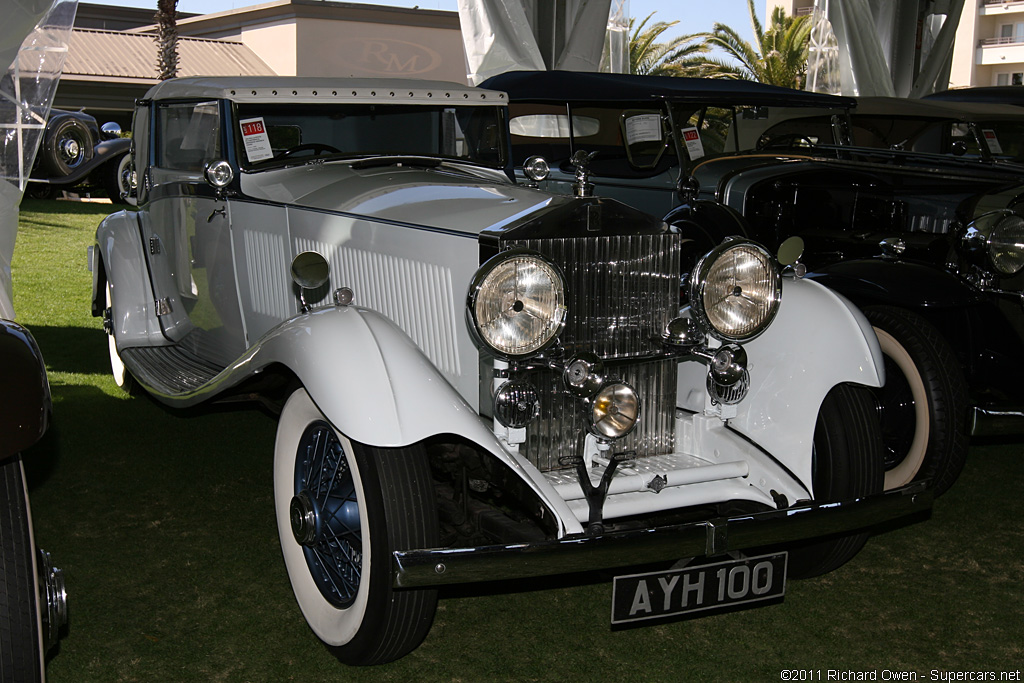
{"points": [[167, 39]]}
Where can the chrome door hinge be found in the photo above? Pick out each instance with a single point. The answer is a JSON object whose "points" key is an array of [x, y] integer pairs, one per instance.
{"points": [[163, 306]]}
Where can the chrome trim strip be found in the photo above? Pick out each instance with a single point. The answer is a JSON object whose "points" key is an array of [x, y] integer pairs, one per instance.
{"points": [[443, 566]]}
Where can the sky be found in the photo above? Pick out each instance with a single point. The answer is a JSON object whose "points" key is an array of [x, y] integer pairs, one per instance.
{"points": [[693, 16]]}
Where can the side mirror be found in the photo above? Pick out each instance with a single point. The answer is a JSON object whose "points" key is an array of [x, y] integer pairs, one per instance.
{"points": [[791, 250], [310, 271]]}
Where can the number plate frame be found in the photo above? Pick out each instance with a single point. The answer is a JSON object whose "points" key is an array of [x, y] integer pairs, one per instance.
{"points": [[698, 588]]}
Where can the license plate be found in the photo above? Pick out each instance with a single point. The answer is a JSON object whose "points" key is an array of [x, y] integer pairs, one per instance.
{"points": [[701, 588]]}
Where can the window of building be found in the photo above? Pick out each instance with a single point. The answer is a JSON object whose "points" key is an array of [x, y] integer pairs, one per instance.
{"points": [[1012, 33], [1013, 78]]}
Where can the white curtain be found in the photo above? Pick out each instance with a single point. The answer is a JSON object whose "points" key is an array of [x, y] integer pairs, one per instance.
{"points": [[510, 35], [33, 45], [874, 46]]}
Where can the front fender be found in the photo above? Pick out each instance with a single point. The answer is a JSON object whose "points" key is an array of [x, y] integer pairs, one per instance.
{"points": [[817, 341], [372, 382], [119, 258], [896, 283], [25, 403]]}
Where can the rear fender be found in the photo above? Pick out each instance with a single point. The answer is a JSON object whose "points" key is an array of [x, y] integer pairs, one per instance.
{"points": [[119, 257], [817, 341]]}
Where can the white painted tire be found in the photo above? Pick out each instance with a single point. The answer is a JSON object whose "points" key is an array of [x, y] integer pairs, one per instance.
{"points": [[371, 623], [122, 377], [908, 468]]}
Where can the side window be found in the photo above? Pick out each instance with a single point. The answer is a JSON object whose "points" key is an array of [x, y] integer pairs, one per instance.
{"points": [[188, 135]]}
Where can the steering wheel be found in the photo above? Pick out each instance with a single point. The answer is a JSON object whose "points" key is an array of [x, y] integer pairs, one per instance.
{"points": [[784, 141], [314, 147]]}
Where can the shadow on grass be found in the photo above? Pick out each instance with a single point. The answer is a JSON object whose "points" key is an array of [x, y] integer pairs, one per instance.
{"points": [[51, 206], [73, 349]]}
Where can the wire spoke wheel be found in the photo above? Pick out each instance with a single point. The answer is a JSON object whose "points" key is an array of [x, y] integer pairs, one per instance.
{"points": [[338, 529], [325, 515]]}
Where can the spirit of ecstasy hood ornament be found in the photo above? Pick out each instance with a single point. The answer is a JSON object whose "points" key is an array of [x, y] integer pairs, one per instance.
{"points": [[582, 187]]}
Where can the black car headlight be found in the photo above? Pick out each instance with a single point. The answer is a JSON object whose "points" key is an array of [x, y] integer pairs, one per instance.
{"points": [[999, 238], [517, 304], [736, 290]]}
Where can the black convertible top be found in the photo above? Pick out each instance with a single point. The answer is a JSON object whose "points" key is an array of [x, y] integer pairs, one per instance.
{"points": [[579, 87], [1007, 94]]}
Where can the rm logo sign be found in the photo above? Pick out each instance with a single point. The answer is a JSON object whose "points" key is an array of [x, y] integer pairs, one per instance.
{"points": [[390, 57]]}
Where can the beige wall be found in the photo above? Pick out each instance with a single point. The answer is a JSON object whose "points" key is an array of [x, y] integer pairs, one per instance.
{"points": [[371, 50], [312, 38], [275, 44]]}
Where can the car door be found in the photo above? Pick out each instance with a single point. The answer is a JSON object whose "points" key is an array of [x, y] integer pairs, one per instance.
{"points": [[187, 233]]}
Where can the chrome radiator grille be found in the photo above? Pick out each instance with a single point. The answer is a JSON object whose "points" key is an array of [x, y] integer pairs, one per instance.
{"points": [[622, 290]]}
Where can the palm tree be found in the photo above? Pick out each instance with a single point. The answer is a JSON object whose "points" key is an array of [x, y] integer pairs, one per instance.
{"points": [[778, 57], [680, 56], [167, 39]]}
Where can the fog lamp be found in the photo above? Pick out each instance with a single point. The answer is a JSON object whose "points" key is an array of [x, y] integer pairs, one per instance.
{"points": [[516, 404], [614, 411]]}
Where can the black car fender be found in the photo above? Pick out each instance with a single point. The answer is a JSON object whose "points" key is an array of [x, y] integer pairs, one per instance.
{"points": [[25, 404], [895, 282], [706, 224], [104, 152]]}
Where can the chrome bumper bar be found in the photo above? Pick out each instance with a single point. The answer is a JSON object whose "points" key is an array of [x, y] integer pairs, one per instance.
{"points": [[436, 567]]}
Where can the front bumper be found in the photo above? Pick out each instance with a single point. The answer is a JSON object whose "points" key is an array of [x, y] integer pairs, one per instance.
{"points": [[436, 567], [997, 420]]}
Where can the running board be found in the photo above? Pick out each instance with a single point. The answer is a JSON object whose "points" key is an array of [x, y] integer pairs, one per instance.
{"points": [[169, 370]]}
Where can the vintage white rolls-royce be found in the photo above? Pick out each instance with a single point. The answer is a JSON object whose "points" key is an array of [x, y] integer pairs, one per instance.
{"points": [[479, 380]]}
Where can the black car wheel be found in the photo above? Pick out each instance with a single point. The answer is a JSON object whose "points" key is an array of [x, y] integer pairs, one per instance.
{"points": [[847, 463], [342, 509], [68, 145], [923, 405], [21, 637]]}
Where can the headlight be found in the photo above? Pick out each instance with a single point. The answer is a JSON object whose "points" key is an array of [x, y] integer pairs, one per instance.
{"points": [[517, 304], [1000, 237], [736, 290], [614, 411]]}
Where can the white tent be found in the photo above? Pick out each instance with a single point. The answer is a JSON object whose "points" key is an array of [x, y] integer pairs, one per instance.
{"points": [[33, 45]]}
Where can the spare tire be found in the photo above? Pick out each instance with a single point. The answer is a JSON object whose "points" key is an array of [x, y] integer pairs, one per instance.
{"points": [[67, 145]]}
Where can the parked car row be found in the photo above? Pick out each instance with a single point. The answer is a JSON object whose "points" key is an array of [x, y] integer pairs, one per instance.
{"points": [[481, 380], [910, 209]]}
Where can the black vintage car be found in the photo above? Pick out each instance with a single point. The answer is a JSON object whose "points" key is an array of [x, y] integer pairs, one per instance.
{"points": [[32, 596], [928, 242], [75, 151]]}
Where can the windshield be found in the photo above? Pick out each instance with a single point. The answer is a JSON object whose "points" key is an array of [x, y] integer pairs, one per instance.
{"points": [[270, 135]]}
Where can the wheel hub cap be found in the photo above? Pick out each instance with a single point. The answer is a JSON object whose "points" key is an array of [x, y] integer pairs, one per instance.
{"points": [[305, 519], [71, 149]]}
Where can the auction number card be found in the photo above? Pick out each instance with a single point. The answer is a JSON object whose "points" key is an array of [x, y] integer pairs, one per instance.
{"points": [[992, 141], [256, 140], [694, 147]]}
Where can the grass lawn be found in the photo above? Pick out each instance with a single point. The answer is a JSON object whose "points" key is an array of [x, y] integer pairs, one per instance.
{"points": [[163, 523]]}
